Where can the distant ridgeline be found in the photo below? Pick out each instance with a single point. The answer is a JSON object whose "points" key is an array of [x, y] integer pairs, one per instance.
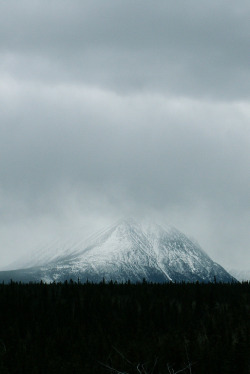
{"points": [[124, 328]]}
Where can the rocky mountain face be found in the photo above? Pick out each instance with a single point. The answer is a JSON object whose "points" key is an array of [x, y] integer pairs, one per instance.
{"points": [[126, 251]]}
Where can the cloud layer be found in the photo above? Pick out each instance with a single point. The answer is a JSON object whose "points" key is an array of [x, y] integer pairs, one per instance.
{"points": [[125, 108]]}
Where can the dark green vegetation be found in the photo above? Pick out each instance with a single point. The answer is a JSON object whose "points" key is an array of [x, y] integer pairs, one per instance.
{"points": [[86, 328]]}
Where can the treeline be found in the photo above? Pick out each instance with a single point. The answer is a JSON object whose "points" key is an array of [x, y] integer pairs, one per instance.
{"points": [[134, 328]]}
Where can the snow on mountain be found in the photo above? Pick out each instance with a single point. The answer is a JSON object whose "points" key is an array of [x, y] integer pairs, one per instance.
{"points": [[125, 251]]}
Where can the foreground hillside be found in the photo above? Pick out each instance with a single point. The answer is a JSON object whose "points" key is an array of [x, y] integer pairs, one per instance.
{"points": [[94, 328]]}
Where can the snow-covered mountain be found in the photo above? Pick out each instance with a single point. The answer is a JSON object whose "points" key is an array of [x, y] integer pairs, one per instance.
{"points": [[125, 251]]}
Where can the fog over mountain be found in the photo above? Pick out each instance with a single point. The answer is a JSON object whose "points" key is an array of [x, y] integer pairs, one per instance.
{"points": [[127, 251], [116, 108], [240, 275]]}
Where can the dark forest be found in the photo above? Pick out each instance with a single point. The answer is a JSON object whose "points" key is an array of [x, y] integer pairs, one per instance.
{"points": [[124, 328]]}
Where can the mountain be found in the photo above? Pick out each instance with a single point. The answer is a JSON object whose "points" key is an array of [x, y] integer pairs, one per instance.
{"points": [[240, 275], [125, 251]]}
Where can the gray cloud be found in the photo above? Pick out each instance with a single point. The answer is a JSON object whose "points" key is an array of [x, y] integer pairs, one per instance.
{"points": [[192, 49], [122, 108]]}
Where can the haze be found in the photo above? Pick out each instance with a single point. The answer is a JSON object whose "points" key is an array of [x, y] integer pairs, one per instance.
{"points": [[125, 108]]}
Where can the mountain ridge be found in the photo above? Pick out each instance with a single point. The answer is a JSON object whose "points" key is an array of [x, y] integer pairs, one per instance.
{"points": [[240, 275], [127, 250]]}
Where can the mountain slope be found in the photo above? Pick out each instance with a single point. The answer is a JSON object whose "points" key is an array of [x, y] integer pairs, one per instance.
{"points": [[126, 251]]}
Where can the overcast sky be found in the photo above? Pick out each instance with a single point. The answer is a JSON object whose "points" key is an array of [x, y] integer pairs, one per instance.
{"points": [[113, 108]]}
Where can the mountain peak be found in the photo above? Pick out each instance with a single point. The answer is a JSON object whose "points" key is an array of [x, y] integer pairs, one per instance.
{"points": [[128, 250]]}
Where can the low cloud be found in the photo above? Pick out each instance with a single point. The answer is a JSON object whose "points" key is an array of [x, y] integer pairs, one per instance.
{"points": [[124, 109]]}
